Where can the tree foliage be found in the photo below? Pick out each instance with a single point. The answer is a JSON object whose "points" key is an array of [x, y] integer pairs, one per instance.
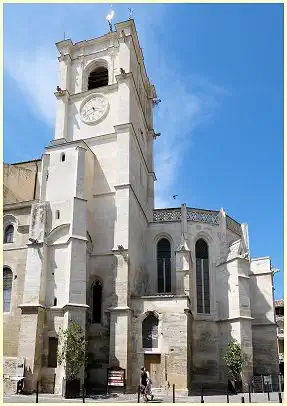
{"points": [[235, 359], [72, 349]]}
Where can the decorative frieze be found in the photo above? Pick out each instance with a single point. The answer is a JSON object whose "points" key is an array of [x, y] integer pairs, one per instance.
{"points": [[233, 226], [162, 215], [196, 215], [203, 216]]}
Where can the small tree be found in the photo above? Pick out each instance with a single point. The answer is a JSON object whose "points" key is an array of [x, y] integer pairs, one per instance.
{"points": [[72, 350], [235, 359]]}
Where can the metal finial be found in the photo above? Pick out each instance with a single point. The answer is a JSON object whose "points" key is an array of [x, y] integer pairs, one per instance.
{"points": [[131, 10], [109, 18]]}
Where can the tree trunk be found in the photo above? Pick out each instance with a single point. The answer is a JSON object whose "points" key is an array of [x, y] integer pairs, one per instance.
{"points": [[72, 388]]}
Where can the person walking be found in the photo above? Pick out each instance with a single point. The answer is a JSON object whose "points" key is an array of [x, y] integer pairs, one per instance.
{"points": [[146, 384], [149, 387], [143, 383]]}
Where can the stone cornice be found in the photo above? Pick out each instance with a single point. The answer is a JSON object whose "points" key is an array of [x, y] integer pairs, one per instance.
{"points": [[69, 46], [21, 247], [243, 276], [119, 309], [104, 90], [104, 194], [19, 205], [77, 305], [162, 296], [78, 143], [234, 318], [252, 274], [236, 257], [31, 306]]}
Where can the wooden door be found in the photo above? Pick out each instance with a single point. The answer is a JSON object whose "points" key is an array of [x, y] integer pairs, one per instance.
{"points": [[152, 365]]}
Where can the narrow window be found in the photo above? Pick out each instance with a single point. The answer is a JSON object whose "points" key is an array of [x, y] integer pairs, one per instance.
{"points": [[63, 157], [52, 352], [98, 77], [7, 289], [150, 332], [164, 266], [202, 277], [9, 234], [97, 302], [55, 301], [57, 214]]}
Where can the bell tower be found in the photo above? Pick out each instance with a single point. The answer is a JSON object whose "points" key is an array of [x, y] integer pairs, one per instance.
{"points": [[104, 88], [98, 183]]}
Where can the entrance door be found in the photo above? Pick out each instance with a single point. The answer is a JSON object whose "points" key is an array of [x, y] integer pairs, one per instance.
{"points": [[152, 365]]}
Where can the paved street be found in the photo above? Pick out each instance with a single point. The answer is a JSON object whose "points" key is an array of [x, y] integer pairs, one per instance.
{"points": [[132, 398]]}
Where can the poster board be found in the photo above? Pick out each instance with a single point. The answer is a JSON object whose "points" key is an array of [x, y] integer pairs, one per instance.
{"points": [[20, 368], [116, 379]]}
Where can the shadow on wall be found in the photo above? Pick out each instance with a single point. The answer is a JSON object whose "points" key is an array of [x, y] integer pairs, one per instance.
{"points": [[265, 347], [101, 218], [209, 338]]}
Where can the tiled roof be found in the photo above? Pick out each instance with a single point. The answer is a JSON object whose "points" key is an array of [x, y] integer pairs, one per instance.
{"points": [[279, 302]]}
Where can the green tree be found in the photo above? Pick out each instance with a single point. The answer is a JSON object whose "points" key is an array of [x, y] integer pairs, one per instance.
{"points": [[235, 359], [72, 350]]}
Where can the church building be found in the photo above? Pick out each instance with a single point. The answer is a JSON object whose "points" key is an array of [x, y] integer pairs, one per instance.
{"points": [[167, 289]]}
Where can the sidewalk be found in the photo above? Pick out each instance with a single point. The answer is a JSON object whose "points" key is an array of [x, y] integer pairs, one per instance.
{"points": [[132, 398]]}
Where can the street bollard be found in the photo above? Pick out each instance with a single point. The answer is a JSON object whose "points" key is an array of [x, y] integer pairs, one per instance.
{"points": [[139, 393], [268, 394], [173, 393], [280, 397], [242, 399], [227, 395], [37, 392], [83, 393], [202, 400], [249, 393]]}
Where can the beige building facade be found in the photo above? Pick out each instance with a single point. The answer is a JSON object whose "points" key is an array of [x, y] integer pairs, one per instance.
{"points": [[279, 314], [164, 288]]}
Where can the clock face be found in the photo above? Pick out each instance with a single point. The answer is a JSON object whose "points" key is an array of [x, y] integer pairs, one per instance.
{"points": [[94, 108]]}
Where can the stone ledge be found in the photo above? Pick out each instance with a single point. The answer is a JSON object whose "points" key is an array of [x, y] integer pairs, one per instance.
{"points": [[31, 305], [79, 305]]}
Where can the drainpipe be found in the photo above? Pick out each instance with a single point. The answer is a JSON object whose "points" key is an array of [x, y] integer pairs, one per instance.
{"points": [[36, 179]]}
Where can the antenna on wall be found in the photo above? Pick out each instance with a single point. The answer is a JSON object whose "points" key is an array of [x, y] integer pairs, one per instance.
{"points": [[110, 17], [64, 35]]}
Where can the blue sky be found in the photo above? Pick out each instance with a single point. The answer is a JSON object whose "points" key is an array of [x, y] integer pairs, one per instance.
{"points": [[218, 69]]}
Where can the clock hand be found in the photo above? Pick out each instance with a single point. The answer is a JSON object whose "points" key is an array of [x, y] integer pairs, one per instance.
{"points": [[89, 110]]}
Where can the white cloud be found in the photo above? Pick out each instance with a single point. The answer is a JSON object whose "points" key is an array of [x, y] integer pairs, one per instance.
{"points": [[36, 75], [187, 102]]}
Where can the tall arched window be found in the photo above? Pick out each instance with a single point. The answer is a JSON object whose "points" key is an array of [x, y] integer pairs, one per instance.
{"points": [[163, 266], [202, 277], [150, 331], [98, 77], [9, 233], [97, 290], [7, 289]]}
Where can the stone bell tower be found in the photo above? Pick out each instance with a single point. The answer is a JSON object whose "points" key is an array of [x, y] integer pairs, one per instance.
{"points": [[97, 191], [105, 101]]}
